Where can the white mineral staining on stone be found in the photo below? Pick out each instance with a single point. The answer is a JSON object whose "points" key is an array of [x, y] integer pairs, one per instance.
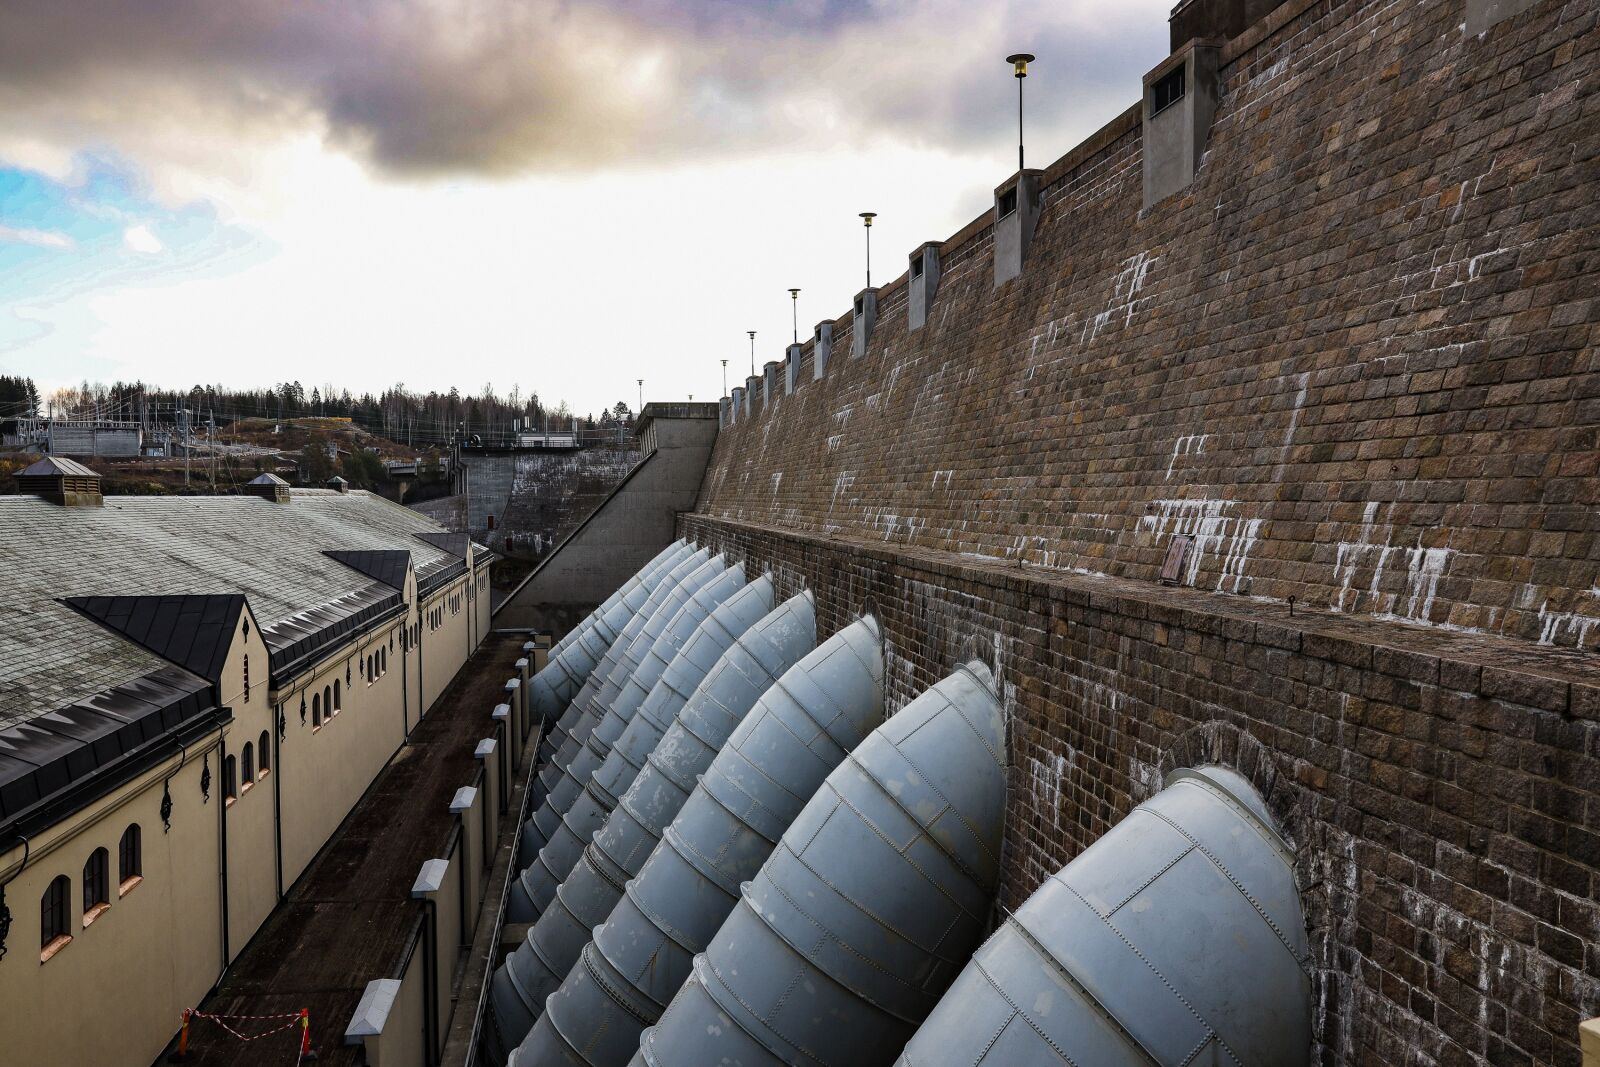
{"points": [[1424, 568], [1371, 551], [1192, 444], [1214, 531], [1125, 288], [1370, 548], [1048, 777], [1302, 386], [1556, 626]]}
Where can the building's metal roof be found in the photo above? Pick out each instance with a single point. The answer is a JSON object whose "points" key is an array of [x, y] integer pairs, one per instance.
{"points": [[52, 656], [453, 543], [267, 479], [107, 735], [57, 465], [191, 631], [387, 565]]}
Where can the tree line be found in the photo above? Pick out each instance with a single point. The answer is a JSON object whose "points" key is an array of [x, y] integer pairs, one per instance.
{"points": [[18, 397], [398, 413]]}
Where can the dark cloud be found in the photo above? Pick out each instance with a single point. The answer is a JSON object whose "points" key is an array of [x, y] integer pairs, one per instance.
{"points": [[514, 86]]}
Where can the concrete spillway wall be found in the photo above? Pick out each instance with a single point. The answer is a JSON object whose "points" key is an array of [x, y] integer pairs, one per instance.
{"points": [[1353, 364], [538, 498]]}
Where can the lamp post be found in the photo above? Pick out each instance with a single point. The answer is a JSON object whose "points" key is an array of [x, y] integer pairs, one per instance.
{"points": [[1019, 66], [794, 300], [752, 334], [641, 395], [866, 220], [724, 377]]}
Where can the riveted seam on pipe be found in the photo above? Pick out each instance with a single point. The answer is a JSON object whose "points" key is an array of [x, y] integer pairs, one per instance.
{"points": [[1142, 958], [1216, 861], [1049, 959], [872, 825]]}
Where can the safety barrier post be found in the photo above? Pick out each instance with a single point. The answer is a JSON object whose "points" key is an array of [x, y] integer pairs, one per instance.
{"points": [[183, 1040]]}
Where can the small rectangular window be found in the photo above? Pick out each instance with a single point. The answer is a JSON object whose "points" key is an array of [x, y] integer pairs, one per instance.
{"points": [[1168, 90], [1008, 201], [916, 267]]}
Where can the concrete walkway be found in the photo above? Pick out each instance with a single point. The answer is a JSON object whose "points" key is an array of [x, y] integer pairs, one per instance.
{"points": [[350, 917]]}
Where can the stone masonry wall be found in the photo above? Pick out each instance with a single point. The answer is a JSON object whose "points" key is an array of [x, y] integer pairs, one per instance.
{"points": [[1441, 790], [1356, 360]]}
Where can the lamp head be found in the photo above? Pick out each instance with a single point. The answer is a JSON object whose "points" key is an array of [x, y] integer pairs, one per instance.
{"points": [[794, 294], [867, 217], [1019, 63]]}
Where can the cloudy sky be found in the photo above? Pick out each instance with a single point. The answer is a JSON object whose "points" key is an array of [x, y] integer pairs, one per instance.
{"points": [[567, 195]]}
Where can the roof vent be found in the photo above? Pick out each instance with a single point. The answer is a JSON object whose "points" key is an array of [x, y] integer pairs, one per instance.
{"points": [[62, 481], [268, 487], [338, 484]]}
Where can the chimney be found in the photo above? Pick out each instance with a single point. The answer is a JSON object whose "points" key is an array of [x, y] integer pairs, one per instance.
{"points": [[268, 487], [61, 481], [338, 484]]}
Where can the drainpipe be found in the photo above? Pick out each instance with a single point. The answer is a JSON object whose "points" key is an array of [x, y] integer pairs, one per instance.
{"points": [[277, 797], [222, 835]]}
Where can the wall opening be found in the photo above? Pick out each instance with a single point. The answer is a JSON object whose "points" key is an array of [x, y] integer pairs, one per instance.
{"points": [[1168, 91]]}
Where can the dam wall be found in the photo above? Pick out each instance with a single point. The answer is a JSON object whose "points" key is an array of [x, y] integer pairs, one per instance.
{"points": [[1292, 470]]}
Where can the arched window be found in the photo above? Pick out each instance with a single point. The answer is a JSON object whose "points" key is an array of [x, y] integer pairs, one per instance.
{"points": [[372, 671], [247, 679], [264, 753], [327, 699], [316, 710], [338, 698], [230, 779], [130, 859], [383, 663], [55, 924], [247, 765], [96, 885]]}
